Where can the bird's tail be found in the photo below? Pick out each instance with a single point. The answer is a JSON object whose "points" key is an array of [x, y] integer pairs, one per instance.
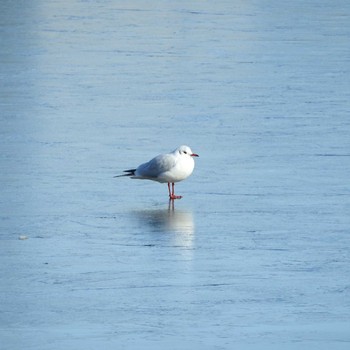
{"points": [[130, 172]]}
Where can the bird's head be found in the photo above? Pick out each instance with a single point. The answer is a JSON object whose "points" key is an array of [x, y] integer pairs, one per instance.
{"points": [[186, 151]]}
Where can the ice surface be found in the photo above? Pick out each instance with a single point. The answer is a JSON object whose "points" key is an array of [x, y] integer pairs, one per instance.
{"points": [[257, 253]]}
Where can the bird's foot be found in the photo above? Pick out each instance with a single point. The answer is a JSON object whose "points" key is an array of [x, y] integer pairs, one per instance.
{"points": [[173, 196]]}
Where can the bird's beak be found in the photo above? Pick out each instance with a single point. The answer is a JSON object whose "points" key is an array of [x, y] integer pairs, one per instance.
{"points": [[194, 155]]}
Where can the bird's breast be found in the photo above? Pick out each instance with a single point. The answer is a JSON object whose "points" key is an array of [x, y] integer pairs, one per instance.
{"points": [[180, 171]]}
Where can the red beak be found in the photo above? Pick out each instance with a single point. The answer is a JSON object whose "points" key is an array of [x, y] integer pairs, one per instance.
{"points": [[194, 155]]}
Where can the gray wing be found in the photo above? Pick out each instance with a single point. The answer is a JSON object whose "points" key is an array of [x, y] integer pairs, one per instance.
{"points": [[155, 166]]}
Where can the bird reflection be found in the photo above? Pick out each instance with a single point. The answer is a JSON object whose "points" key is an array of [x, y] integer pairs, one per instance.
{"points": [[178, 220], [169, 220]]}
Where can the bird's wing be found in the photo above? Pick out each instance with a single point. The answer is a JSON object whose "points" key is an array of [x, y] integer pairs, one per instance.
{"points": [[156, 166]]}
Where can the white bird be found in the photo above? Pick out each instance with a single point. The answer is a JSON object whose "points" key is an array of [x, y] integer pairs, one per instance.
{"points": [[171, 167]]}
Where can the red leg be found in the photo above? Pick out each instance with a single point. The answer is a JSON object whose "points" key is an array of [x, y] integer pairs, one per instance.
{"points": [[169, 190], [172, 194]]}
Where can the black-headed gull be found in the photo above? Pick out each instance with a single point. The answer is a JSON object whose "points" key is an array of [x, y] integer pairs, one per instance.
{"points": [[171, 167]]}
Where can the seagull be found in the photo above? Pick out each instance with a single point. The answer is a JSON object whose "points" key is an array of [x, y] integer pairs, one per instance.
{"points": [[171, 167]]}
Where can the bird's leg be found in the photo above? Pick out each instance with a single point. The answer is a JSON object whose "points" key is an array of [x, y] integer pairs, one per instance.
{"points": [[169, 190], [172, 194]]}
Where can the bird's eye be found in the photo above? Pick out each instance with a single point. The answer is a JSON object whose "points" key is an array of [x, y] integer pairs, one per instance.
{"points": [[185, 152]]}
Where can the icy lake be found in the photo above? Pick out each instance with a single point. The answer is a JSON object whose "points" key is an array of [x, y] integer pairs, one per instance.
{"points": [[256, 255]]}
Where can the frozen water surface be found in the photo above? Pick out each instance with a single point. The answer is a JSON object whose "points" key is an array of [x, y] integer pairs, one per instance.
{"points": [[257, 253]]}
